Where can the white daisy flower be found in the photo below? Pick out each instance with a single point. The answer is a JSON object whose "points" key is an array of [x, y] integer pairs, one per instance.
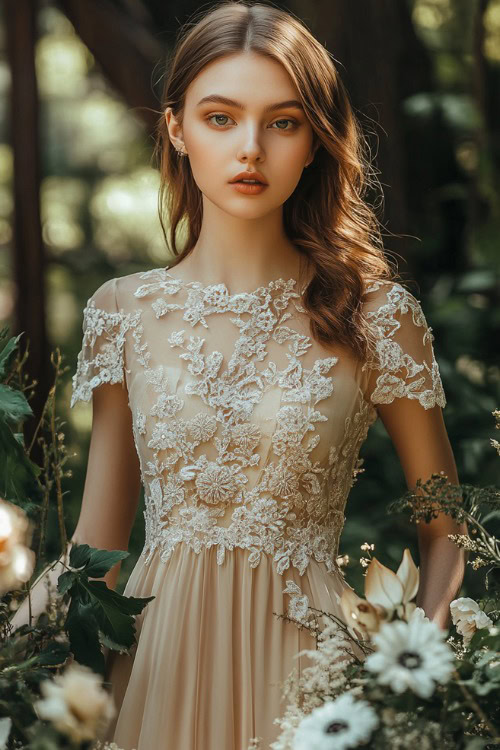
{"points": [[337, 725], [468, 617], [411, 655]]}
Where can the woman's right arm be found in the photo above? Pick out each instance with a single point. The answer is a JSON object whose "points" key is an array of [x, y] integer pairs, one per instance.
{"points": [[111, 492]]}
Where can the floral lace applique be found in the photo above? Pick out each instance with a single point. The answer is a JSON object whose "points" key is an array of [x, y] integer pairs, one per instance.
{"points": [[101, 359], [295, 510], [404, 356], [259, 452]]}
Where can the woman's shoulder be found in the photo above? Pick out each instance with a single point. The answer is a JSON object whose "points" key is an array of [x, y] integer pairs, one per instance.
{"points": [[387, 296], [117, 294]]}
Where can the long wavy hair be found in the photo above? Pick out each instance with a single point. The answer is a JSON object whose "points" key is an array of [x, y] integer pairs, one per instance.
{"points": [[326, 217]]}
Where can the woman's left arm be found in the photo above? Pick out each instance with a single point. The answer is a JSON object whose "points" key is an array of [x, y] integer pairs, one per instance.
{"points": [[423, 447]]}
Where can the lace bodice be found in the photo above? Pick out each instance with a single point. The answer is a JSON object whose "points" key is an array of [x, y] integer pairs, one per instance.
{"points": [[248, 431]]}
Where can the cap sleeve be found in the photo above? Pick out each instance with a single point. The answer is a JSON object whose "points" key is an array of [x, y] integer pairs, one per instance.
{"points": [[100, 359], [403, 364]]}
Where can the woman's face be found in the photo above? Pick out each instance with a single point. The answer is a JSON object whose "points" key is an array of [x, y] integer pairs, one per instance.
{"points": [[223, 139]]}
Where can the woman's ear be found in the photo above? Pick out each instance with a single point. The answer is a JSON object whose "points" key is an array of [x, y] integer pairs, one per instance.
{"points": [[174, 130], [312, 153]]}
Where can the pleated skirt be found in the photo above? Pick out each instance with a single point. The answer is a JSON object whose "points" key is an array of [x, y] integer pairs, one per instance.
{"points": [[211, 656]]}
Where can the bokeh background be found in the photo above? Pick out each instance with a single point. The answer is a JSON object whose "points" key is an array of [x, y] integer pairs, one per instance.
{"points": [[80, 85]]}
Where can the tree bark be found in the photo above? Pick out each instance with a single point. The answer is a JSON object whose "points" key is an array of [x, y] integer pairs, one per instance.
{"points": [[28, 254]]}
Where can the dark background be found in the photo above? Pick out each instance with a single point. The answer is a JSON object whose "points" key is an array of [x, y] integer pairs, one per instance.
{"points": [[80, 82]]}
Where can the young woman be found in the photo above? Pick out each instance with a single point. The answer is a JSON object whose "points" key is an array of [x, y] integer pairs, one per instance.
{"points": [[239, 385]]}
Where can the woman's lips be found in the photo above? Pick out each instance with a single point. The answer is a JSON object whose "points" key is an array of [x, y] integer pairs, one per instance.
{"points": [[248, 188]]}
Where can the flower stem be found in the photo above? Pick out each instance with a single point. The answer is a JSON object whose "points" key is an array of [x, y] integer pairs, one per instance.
{"points": [[475, 706]]}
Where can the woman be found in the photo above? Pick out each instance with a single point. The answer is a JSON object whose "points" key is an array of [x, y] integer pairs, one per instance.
{"points": [[239, 384]]}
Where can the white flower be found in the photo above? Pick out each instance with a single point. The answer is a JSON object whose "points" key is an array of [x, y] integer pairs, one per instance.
{"points": [[393, 591], [467, 617], [411, 655], [76, 703], [418, 614], [17, 561], [337, 725], [386, 593]]}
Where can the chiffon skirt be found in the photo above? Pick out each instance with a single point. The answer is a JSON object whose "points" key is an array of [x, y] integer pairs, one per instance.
{"points": [[207, 670]]}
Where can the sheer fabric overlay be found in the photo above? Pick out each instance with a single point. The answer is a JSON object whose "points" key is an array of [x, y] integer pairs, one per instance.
{"points": [[248, 433]]}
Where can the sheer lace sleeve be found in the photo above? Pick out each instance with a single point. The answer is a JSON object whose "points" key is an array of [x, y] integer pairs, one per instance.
{"points": [[403, 364], [100, 359]]}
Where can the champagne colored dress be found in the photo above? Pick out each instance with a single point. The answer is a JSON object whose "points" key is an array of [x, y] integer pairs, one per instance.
{"points": [[248, 433]]}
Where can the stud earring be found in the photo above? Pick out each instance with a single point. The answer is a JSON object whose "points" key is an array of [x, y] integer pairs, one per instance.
{"points": [[181, 152]]}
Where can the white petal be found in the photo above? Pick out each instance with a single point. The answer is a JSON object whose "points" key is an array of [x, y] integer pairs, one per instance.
{"points": [[382, 585], [409, 576]]}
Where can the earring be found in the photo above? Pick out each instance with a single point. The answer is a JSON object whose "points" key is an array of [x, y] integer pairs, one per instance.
{"points": [[181, 152]]}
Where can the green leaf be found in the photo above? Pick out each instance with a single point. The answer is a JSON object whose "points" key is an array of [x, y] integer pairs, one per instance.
{"points": [[79, 555], [114, 612], [18, 475], [66, 580], [7, 350], [55, 654], [13, 404], [102, 560], [83, 635]]}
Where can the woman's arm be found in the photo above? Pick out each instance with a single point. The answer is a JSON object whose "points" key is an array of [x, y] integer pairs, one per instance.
{"points": [[421, 441], [111, 491]]}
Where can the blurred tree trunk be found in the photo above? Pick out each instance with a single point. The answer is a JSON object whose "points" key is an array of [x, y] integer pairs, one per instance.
{"points": [[381, 61], [28, 248], [124, 45]]}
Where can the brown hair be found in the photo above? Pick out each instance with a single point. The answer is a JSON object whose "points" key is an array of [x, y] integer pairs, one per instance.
{"points": [[326, 217]]}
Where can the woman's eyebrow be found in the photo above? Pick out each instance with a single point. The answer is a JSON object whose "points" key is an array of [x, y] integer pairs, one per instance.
{"points": [[217, 98]]}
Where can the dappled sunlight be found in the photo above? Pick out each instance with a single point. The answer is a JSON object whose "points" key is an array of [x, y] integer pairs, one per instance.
{"points": [[492, 31], [432, 14], [62, 65], [124, 209], [62, 201]]}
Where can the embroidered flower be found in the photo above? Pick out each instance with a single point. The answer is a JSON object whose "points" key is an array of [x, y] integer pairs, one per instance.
{"points": [[164, 436], [245, 436], [216, 484], [166, 405], [160, 307], [140, 422], [282, 482], [176, 338], [298, 606], [202, 427], [216, 295]]}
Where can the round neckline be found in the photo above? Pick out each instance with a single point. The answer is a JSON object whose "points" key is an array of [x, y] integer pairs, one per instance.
{"points": [[200, 285]]}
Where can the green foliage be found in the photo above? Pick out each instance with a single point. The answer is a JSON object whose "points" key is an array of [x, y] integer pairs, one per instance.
{"points": [[83, 615], [97, 615]]}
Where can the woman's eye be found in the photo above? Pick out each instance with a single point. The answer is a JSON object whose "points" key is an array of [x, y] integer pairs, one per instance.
{"points": [[212, 116], [286, 119], [294, 124]]}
